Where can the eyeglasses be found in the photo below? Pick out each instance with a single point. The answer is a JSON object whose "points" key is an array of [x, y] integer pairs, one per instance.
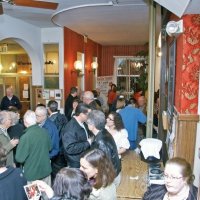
{"points": [[110, 119], [166, 176]]}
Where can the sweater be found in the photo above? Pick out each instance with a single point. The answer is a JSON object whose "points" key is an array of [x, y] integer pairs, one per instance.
{"points": [[33, 151]]}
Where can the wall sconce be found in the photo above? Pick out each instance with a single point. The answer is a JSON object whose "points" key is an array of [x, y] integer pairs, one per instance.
{"points": [[174, 28], [77, 67], [50, 62], [94, 66]]}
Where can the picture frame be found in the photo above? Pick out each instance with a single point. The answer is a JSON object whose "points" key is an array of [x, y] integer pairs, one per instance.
{"points": [[32, 191]]}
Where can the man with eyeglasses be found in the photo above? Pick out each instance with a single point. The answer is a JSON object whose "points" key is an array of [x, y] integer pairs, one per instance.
{"points": [[46, 123], [76, 137]]}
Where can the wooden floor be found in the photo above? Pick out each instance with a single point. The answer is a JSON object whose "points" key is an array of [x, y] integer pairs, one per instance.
{"points": [[134, 177]]}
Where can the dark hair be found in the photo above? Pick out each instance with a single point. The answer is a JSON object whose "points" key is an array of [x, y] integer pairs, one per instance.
{"points": [[73, 90], [40, 105], [185, 166], [3, 156], [82, 108], [132, 101], [117, 119], [99, 160], [97, 118], [77, 100], [121, 103], [113, 87], [95, 93], [73, 183], [53, 105]]}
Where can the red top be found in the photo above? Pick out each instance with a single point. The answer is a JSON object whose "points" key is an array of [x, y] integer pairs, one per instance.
{"points": [[111, 97]]}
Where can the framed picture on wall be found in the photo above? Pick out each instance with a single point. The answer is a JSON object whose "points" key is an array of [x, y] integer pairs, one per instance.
{"points": [[171, 78]]}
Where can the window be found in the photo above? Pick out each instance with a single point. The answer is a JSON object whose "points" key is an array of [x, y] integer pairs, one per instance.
{"points": [[129, 72]]}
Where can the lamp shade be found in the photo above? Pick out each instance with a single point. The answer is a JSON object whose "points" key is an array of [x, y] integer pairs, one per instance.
{"points": [[94, 65], [78, 65]]}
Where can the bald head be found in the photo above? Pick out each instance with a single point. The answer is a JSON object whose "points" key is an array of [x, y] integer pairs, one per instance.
{"points": [[88, 97]]}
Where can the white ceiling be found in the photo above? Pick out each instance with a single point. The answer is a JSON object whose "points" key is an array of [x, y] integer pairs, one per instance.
{"points": [[115, 22]]}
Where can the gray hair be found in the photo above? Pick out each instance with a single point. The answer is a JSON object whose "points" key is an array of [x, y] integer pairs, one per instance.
{"points": [[30, 117], [4, 115], [14, 117], [42, 110], [97, 118], [88, 95]]}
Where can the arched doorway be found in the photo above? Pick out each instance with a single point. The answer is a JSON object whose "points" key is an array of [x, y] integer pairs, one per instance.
{"points": [[16, 71]]}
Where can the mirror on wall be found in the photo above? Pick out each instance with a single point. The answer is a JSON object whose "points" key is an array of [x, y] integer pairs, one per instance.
{"points": [[51, 66]]}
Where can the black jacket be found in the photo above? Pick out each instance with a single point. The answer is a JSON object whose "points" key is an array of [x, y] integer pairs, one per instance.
{"points": [[60, 121], [105, 142], [157, 192], [69, 106], [6, 103], [74, 142]]}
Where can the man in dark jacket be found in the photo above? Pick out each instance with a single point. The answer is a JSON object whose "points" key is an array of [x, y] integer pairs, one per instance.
{"points": [[69, 101], [10, 100], [104, 140], [76, 137], [58, 162]]}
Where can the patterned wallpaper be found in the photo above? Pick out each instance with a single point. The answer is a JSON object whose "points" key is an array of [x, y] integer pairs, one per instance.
{"points": [[190, 64]]}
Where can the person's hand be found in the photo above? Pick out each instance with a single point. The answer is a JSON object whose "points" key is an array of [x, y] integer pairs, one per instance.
{"points": [[43, 187], [14, 142]]}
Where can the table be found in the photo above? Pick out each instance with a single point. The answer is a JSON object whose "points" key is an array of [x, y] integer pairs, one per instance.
{"points": [[134, 177]]}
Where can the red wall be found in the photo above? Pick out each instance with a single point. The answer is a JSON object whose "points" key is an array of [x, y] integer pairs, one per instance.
{"points": [[188, 66], [108, 53], [73, 43]]}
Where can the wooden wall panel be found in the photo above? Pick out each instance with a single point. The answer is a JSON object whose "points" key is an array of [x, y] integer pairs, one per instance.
{"points": [[185, 136]]}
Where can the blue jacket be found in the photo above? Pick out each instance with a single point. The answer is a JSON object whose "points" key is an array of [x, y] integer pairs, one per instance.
{"points": [[131, 116], [53, 133]]}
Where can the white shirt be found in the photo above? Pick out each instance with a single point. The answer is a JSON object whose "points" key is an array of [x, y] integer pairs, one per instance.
{"points": [[121, 139]]}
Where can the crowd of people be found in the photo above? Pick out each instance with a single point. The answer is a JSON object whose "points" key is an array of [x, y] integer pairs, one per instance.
{"points": [[77, 155]]}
